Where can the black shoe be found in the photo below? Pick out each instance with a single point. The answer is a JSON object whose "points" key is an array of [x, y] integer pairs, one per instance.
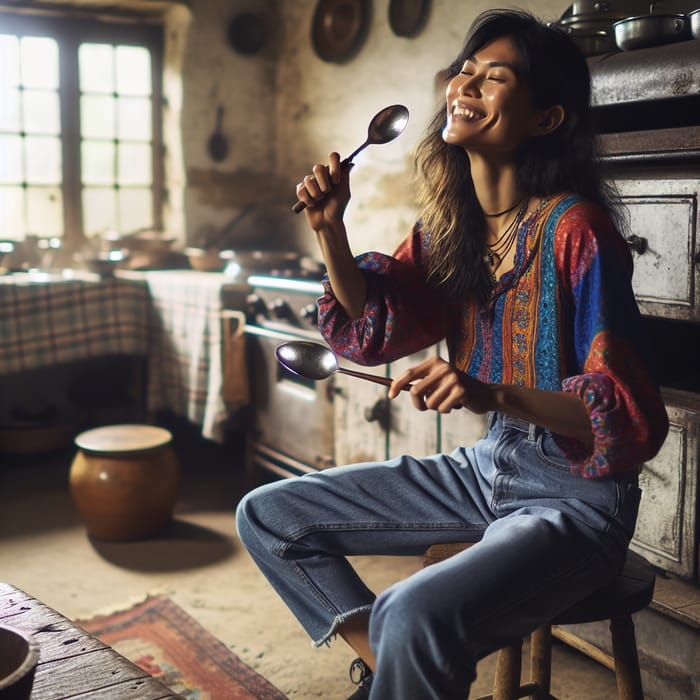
{"points": [[360, 675]]}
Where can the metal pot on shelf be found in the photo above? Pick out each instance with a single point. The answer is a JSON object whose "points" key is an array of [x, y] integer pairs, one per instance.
{"points": [[645, 31]]}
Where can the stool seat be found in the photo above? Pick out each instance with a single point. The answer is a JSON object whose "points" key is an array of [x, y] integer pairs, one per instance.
{"points": [[629, 593]]}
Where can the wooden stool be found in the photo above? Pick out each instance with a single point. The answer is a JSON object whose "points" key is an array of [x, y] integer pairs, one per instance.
{"points": [[124, 481], [631, 592]]}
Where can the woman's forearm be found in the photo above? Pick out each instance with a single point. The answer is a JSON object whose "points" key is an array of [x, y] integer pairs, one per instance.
{"points": [[347, 281], [559, 411]]}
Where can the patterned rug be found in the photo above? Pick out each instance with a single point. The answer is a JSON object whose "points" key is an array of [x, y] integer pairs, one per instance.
{"points": [[163, 640]]}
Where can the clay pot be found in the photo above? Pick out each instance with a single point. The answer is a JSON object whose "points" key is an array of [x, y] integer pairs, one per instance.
{"points": [[124, 481]]}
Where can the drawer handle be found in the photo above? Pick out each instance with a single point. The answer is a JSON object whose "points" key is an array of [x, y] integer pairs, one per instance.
{"points": [[638, 244]]}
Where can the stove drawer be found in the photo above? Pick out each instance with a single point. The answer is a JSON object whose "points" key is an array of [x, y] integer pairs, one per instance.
{"points": [[663, 217]]}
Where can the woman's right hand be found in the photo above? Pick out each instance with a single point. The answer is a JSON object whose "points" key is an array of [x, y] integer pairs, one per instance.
{"points": [[326, 193]]}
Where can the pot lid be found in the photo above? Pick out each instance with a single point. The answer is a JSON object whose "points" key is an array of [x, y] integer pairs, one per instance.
{"points": [[408, 17], [339, 28]]}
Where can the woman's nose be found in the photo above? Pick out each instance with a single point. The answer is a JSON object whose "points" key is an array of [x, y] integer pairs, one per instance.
{"points": [[468, 85]]}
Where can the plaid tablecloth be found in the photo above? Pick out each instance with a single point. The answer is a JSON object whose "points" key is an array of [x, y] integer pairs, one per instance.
{"points": [[48, 323], [187, 355], [173, 317]]}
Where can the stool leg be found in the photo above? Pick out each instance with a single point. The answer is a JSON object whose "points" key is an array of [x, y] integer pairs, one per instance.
{"points": [[506, 683], [629, 679], [541, 661]]}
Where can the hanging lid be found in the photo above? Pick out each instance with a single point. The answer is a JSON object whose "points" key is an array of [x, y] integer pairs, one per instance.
{"points": [[339, 28]]}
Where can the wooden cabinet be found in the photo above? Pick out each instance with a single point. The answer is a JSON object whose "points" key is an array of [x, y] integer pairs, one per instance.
{"points": [[663, 221], [667, 521], [369, 427]]}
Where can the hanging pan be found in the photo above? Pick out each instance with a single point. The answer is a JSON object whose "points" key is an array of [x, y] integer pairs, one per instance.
{"points": [[339, 28]]}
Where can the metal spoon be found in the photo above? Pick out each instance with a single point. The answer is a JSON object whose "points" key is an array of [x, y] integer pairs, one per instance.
{"points": [[385, 126], [316, 361]]}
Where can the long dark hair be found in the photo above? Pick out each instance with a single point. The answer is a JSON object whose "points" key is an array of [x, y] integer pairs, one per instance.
{"points": [[566, 160]]}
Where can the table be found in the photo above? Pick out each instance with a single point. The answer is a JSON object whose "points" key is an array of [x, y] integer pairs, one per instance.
{"points": [[180, 320], [71, 661], [50, 321], [195, 339]]}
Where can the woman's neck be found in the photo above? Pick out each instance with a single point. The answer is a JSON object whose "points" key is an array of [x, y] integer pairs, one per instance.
{"points": [[496, 190]]}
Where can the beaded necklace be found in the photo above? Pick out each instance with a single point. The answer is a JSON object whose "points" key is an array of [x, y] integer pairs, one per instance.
{"points": [[499, 249]]}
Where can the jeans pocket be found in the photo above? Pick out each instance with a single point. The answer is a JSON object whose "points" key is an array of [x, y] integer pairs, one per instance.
{"points": [[548, 451]]}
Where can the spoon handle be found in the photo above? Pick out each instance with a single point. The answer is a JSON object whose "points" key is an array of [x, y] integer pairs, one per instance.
{"points": [[386, 381]]}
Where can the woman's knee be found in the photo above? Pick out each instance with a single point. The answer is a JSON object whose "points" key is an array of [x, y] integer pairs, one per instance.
{"points": [[260, 512]]}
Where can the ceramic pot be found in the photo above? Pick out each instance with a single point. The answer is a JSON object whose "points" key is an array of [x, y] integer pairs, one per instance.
{"points": [[19, 655], [124, 481]]}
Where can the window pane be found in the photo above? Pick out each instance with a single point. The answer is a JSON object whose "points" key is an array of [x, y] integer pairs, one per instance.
{"points": [[98, 162], [135, 209], [43, 159], [9, 61], [39, 61], [9, 108], [11, 169], [11, 217], [133, 70], [99, 210], [44, 211], [97, 117], [96, 65], [41, 112], [134, 164], [134, 119]]}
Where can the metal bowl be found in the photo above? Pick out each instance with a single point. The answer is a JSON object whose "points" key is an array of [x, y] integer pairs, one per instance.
{"points": [[694, 20], [593, 43], [645, 31]]}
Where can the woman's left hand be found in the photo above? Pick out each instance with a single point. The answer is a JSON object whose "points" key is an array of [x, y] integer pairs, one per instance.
{"points": [[437, 385]]}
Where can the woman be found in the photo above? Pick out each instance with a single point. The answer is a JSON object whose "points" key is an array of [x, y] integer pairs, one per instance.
{"points": [[517, 263]]}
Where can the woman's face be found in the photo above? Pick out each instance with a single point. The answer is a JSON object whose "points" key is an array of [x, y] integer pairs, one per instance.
{"points": [[489, 109]]}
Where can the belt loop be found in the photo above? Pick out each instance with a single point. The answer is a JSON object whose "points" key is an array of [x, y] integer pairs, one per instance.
{"points": [[532, 432]]}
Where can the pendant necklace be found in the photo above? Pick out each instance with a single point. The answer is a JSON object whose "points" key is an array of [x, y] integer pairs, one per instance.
{"points": [[499, 249]]}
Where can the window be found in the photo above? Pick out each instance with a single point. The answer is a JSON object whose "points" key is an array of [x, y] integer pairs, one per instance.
{"points": [[80, 129]]}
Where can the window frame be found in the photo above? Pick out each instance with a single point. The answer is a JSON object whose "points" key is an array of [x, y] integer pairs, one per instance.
{"points": [[69, 32]]}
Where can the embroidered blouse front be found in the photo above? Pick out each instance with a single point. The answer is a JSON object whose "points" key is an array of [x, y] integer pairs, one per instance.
{"points": [[564, 318]]}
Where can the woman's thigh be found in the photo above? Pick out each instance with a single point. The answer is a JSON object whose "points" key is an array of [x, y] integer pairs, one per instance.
{"points": [[395, 507], [525, 570]]}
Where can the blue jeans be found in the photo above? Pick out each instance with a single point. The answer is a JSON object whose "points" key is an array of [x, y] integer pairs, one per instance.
{"points": [[545, 540]]}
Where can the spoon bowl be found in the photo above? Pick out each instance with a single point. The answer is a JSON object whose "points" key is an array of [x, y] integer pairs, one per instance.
{"points": [[385, 126], [316, 361]]}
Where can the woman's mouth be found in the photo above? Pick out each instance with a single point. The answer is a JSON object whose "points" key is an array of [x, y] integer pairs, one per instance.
{"points": [[467, 113]]}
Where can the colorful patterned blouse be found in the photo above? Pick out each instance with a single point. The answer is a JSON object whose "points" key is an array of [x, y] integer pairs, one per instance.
{"points": [[564, 318]]}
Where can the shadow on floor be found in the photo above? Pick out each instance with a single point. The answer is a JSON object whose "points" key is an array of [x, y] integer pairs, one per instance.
{"points": [[184, 546]]}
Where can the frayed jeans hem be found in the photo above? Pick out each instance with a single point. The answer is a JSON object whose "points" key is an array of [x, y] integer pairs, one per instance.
{"points": [[325, 640]]}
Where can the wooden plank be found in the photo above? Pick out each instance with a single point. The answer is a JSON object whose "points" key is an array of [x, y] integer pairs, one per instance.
{"points": [[73, 663]]}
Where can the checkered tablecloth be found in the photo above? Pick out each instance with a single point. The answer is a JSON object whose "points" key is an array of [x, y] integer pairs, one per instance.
{"points": [[187, 356], [173, 317], [49, 323]]}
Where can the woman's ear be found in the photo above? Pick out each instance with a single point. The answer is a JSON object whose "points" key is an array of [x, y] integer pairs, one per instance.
{"points": [[550, 120]]}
